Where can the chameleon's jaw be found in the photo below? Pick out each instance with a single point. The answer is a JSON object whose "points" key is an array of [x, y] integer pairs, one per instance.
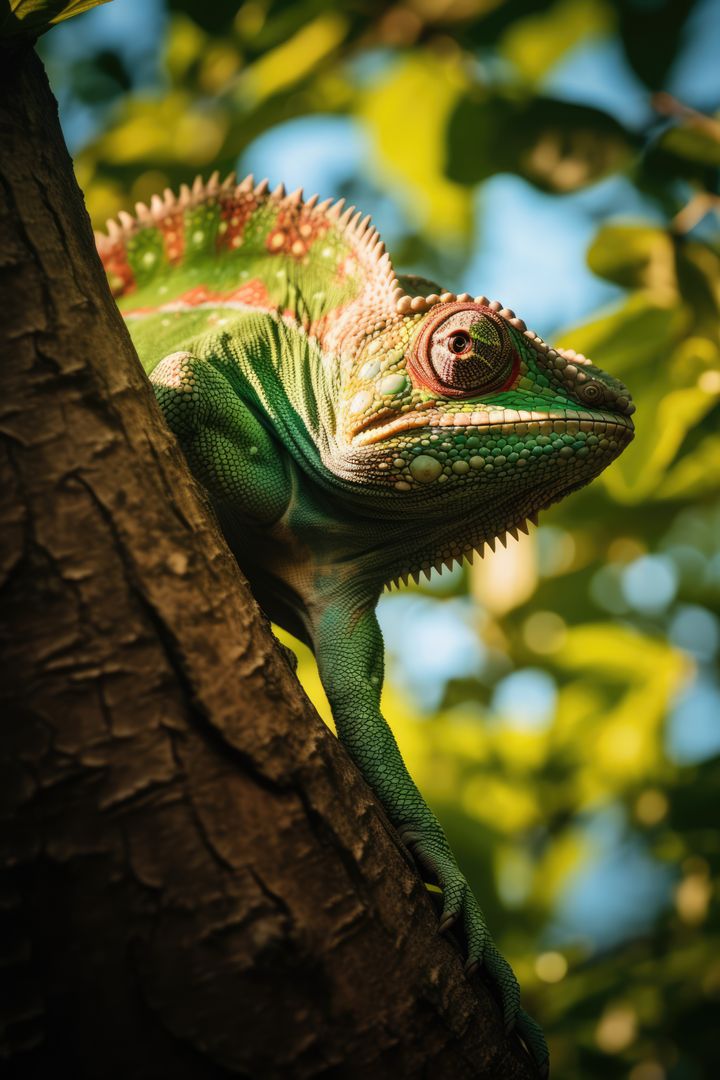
{"points": [[494, 421]]}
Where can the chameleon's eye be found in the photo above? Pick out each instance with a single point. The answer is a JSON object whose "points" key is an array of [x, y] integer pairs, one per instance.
{"points": [[463, 350], [460, 343], [591, 392]]}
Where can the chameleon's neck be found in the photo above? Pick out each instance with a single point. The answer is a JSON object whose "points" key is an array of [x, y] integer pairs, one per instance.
{"points": [[280, 370]]}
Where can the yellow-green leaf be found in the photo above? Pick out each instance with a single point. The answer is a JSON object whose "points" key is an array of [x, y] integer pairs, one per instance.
{"points": [[407, 115], [34, 17], [534, 44], [637, 256]]}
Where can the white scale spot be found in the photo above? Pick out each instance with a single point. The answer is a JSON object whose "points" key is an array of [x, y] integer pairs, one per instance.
{"points": [[198, 236], [369, 370], [392, 384], [149, 258], [361, 401]]}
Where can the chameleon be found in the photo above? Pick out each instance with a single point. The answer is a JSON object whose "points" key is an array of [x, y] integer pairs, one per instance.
{"points": [[352, 428]]}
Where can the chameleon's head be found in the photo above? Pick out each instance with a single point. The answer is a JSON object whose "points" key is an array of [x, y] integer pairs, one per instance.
{"points": [[456, 409]]}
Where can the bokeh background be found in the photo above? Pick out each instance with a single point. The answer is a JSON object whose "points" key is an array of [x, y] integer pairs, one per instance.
{"points": [[558, 703]]}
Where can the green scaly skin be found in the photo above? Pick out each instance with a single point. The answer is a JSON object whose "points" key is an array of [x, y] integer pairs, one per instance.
{"points": [[349, 434]]}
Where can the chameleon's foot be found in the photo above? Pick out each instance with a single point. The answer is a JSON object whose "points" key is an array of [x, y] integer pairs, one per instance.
{"points": [[461, 911]]}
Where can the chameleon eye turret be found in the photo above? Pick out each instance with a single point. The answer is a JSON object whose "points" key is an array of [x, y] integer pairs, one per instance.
{"points": [[463, 350]]}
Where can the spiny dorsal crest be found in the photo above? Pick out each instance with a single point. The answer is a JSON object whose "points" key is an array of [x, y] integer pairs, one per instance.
{"points": [[211, 217]]}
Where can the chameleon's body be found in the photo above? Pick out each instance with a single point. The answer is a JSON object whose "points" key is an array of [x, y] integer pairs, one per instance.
{"points": [[350, 434]]}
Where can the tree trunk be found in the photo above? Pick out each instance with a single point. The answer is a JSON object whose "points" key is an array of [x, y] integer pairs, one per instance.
{"points": [[196, 881]]}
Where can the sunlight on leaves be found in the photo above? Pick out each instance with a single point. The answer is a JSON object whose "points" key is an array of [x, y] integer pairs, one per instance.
{"points": [[536, 43], [34, 17], [289, 62], [505, 578], [425, 87], [637, 256]]}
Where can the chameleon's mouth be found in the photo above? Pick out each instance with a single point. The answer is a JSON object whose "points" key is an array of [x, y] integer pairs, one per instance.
{"points": [[504, 421]]}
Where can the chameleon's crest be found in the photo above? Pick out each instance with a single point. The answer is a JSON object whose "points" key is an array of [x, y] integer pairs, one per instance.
{"points": [[244, 246], [227, 244]]}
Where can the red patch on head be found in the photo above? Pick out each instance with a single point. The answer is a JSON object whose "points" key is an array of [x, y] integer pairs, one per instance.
{"points": [[253, 293]]}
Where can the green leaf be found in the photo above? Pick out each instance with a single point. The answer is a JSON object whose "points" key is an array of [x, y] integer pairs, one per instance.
{"points": [[625, 728], [33, 17], [413, 153], [696, 475], [695, 142], [688, 150], [668, 382], [636, 256], [631, 341], [642, 343], [652, 35], [698, 272], [293, 60], [556, 145]]}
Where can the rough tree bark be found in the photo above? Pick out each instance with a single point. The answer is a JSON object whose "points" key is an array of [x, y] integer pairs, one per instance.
{"points": [[196, 881]]}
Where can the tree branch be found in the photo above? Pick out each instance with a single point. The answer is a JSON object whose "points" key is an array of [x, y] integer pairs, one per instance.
{"points": [[198, 882]]}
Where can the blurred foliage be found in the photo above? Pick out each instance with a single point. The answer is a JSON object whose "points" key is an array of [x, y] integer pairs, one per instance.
{"points": [[32, 17], [558, 755]]}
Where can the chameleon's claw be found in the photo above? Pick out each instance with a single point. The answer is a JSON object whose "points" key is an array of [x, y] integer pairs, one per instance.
{"points": [[460, 908], [447, 922], [531, 1034]]}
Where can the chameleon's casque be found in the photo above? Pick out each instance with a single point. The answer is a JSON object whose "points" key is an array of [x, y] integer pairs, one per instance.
{"points": [[352, 428]]}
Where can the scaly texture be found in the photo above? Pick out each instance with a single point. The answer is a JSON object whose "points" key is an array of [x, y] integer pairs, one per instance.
{"points": [[351, 432]]}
